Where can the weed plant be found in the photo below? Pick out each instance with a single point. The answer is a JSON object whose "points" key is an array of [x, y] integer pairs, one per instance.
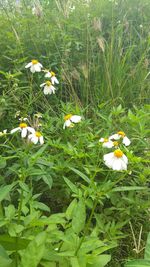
{"points": [[61, 206]]}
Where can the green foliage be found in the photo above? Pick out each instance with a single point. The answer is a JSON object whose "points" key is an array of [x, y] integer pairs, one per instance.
{"points": [[60, 205]]}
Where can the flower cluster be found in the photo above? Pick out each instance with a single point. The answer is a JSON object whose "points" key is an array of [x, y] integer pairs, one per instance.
{"points": [[29, 132], [116, 160], [51, 80]]}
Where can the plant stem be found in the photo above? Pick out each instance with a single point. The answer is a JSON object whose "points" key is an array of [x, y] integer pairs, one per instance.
{"points": [[86, 227]]}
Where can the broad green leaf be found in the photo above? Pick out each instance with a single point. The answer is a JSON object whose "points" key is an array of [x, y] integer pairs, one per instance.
{"points": [[73, 188], [74, 262], [5, 261], [48, 264], [34, 251], [99, 261], [79, 217], [147, 249], [13, 243], [82, 175], [70, 209]]}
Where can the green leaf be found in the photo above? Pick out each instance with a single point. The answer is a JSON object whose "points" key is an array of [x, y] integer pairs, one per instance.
{"points": [[34, 251], [128, 188], [74, 262], [2, 162], [82, 175], [79, 217], [138, 263], [147, 249], [5, 261], [99, 261], [4, 190], [70, 209], [73, 188], [48, 180], [13, 243]]}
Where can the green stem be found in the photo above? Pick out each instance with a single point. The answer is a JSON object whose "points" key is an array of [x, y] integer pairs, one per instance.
{"points": [[86, 227]]}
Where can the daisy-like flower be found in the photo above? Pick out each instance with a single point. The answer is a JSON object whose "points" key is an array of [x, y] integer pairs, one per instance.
{"points": [[116, 160], [34, 66], [48, 88], [125, 140], [70, 119], [4, 132], [52, 75], [36, 137], [106, 142], [24, 129]]}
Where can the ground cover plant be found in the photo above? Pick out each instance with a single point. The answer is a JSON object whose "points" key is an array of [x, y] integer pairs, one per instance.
{"points": [[74, 133]]}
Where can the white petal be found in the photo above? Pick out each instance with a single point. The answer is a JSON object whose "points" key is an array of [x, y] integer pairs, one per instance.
{"points": [[117, 165], [28, 65], [47, 90], [53, 89], [30, 136], [42, 84], [31, 130], [75, 118], [126, 141], [115, 137], [41, 140], [24, 132], [41, 66], [108, 144], [66, 124], [34, 139], [101, 140], [108, 156], [37, 67], [32, 69], [15, 130], [125, 159], [54, 80], [48, 75]]}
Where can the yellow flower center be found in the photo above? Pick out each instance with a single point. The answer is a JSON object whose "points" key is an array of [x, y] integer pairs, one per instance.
{"points": [[115, 143], [48, 83], [34, 61], [121, 133], [38, 134], [67, 117], [53, 73], [22, 125], [118, 153], [105, 140]]}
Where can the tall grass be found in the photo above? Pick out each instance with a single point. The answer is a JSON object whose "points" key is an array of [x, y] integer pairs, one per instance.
{"points": [[99, 50]]}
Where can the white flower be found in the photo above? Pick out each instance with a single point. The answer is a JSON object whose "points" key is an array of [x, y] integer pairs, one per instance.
{"points": [[36, 137], [106, 142], [4, 132], [34, 66], [52, 75], [48, 88], [70, 119], [125, 140], [24, 129], [116, 160]]}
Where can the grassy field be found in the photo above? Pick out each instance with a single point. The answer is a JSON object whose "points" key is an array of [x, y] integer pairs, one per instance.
{"points": [[64, 201]]}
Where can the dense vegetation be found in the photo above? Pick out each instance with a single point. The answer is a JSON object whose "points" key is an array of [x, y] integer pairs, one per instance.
{"points": [[62, 203]]}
